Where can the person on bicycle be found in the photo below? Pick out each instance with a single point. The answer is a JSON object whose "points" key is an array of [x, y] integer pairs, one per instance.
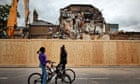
{"points": [[63, 57], [43, 63]]}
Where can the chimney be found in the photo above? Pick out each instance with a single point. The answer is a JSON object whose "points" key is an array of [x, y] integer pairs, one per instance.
{"points": [[35, 16]]}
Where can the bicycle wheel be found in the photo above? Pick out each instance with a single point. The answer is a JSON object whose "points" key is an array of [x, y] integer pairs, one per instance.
{"points": [[64, 79], [71, 73], [34, 78]]}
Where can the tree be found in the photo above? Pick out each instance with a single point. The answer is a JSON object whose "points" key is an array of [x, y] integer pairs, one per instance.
{"points": [[4, 13]]}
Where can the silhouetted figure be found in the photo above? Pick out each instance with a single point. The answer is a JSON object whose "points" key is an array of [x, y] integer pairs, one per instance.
{"points": [[63, 56]]}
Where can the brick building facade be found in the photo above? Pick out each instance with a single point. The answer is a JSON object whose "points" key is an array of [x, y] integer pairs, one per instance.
{"points": [[42, 29]]}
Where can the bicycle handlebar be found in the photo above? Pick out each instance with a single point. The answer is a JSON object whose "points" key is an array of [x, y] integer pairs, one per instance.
{"points": [[51, 62]]}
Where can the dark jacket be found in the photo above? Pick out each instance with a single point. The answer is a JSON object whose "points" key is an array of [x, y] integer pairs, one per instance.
{"points": [[63, 56]]}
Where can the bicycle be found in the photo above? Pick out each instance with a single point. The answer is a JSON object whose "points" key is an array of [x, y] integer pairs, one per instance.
{"points": [[35, 78], [68, 71]]}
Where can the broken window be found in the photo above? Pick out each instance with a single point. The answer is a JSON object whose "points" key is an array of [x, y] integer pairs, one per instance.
{"points": [[88, 16]]}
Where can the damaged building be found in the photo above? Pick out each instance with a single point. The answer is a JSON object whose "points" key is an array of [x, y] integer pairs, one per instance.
{"points": [[77, 20]]}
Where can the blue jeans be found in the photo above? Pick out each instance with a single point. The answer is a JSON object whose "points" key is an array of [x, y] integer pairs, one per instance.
{"points": [[44, 75]]}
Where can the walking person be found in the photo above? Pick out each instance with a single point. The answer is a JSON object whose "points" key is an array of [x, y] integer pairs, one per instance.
{"points": [[43, 63]]}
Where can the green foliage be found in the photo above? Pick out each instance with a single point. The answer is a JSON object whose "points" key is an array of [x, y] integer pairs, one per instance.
{"points": [[4, 12]]}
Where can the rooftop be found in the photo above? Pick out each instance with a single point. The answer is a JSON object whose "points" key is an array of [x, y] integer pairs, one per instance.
{"points": [[41, 23]]}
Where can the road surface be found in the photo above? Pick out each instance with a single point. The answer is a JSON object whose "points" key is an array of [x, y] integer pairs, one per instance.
{"points": [[94, 75]]}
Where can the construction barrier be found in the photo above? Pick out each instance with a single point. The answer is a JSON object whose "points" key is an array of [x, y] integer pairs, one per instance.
{"points": [[22, 52]]}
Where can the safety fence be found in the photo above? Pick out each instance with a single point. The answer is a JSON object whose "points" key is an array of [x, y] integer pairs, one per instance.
{"points": [[22, 52]]}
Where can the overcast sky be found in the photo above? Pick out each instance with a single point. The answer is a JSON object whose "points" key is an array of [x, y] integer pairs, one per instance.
{"points": [[126, 13]]}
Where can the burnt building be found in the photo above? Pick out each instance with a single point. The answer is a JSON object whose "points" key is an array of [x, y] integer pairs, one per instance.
{"points": [[41, 29], [77, 19]]}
